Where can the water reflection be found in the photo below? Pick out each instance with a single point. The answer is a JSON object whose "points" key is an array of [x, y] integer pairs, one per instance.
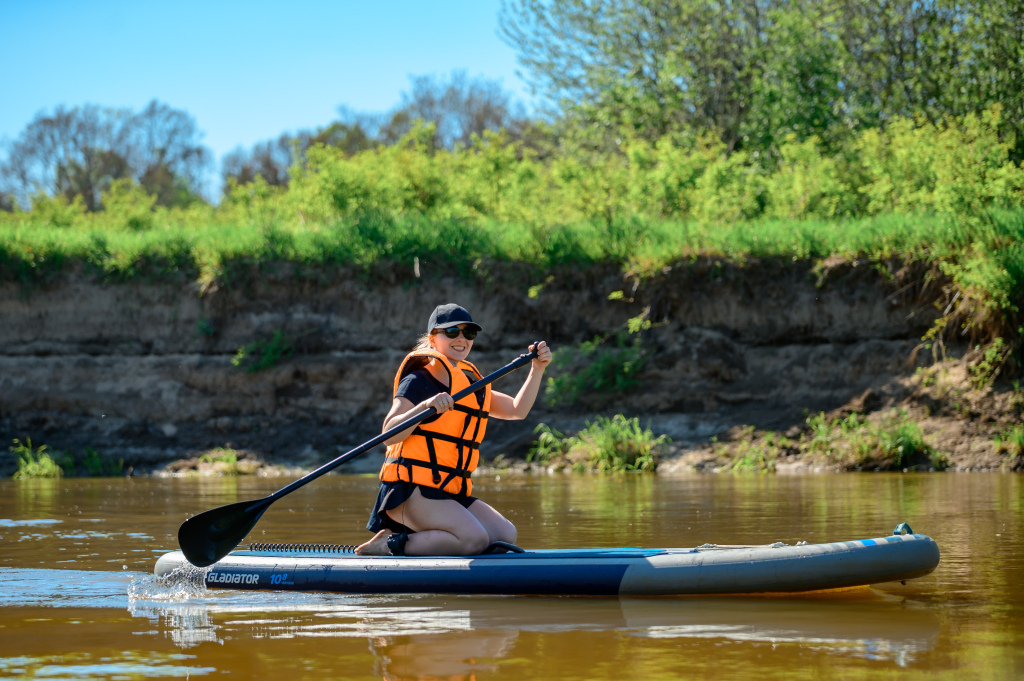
{"points": [[862, 623], [451, 637]]}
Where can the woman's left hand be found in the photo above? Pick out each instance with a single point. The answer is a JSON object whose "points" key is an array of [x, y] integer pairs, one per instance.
{"points": [[543, 358]]}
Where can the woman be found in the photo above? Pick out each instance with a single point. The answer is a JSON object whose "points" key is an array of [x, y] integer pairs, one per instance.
{"points": [[425, 505]]}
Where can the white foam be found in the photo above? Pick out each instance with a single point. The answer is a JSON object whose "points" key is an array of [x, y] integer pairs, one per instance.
{"points": [[180, 584]]}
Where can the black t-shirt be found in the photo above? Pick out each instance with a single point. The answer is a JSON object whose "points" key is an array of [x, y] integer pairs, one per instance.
{"points": [[421, 385]]}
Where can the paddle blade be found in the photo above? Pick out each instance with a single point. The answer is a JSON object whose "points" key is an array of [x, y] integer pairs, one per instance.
{"points": [[209, 536]]}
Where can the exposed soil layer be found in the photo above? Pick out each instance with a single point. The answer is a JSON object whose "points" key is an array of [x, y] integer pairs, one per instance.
{"points": [[143, 371]]}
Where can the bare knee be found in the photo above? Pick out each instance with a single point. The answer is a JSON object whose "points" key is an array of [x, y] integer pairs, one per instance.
{"points": [[473, 541], [507, 532]]}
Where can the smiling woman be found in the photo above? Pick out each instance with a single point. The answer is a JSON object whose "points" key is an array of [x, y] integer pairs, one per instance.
{"points": [[425, 505]]}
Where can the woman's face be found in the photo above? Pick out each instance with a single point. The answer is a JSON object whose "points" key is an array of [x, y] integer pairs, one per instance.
{"points": [[454, 349]]}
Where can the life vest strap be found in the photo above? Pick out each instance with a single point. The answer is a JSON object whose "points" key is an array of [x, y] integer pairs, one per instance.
{"points": [[478, 413], [433, 461], [431, 435], [439, 468]]}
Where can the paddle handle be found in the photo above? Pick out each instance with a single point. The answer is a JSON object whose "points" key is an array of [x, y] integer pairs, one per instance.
{"points": [[517, 363]]}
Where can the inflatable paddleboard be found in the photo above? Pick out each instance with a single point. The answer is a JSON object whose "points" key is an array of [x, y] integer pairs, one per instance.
{"points": [[707, 569]]}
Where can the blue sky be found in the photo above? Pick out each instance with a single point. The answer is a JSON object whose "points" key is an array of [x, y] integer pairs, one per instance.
{"points": [[247, 71]]}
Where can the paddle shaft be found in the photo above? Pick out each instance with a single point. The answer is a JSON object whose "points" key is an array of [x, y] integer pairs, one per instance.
{"points": [[411, 421]]}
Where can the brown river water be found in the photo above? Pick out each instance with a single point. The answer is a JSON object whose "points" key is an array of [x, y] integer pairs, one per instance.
{"points": [[73, 549]]}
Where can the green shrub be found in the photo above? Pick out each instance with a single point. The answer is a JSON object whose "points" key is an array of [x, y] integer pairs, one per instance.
{"points": [[225, 461], [599, 368], [549, 446], [128, 206], [901, 441], [263, 353], [1010, 441], [95, 466], [892, 442], [607, 445], [985, 371], [758, 455], [34, 462]]}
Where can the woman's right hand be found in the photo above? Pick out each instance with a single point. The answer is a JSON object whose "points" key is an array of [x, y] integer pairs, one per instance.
{"points": [[441, 402]]}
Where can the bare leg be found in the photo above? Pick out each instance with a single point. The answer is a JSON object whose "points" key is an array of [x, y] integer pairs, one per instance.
{"points": [[498, 526], [443, 527], [378, 546]]}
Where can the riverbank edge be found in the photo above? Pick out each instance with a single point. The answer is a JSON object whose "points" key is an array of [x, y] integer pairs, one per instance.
{"points": [[853, 279]]}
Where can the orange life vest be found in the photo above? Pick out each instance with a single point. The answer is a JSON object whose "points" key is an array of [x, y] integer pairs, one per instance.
{"points": [[445, 452]]}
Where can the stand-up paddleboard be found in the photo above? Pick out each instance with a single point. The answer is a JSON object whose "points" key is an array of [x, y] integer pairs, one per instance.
{"points": [[707, 569]]}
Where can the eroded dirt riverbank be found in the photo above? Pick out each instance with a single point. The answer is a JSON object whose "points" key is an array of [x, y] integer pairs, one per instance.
{"points": [[142, 372]]}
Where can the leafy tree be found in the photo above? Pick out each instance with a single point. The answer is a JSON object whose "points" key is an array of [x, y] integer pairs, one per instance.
{"points": [[799, 88], [646, 68], [460, 107], [756, 71], [82, 150], [164, 154]]}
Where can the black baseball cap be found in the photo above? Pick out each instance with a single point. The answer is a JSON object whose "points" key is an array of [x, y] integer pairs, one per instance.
{"points": [[450, 314]]}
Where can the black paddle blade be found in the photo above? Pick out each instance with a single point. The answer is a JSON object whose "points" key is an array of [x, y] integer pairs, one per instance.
{"points": [[209, 536]]}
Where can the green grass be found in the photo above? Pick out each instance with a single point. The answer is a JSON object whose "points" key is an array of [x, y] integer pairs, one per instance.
{"points": [[598, 368], [1010, 442], [608, 445], [34, 462], [758, 455], [225, 461], [264, 353], [890, 443], [643, 245], [95, 466]]}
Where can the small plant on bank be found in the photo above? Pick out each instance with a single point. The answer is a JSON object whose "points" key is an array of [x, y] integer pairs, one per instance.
{"points": [[263, 353], [903, 440], [605, 365], [97, 467], [608, 445], [34, 462], [549, 446], [987, 369], [601, 366], [224, 460], [758, 455], [1010, 442], [1017, 397], [205, 327], [892, 443]]}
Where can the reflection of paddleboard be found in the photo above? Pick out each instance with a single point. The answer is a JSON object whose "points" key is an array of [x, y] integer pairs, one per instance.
{"points": [[708, 569], [857, 622]]}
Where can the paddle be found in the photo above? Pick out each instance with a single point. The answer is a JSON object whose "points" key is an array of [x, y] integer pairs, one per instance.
{"points": [[211, 535]]}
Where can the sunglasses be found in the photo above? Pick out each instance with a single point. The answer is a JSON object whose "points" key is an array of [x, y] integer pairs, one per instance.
{"points": [[454, 331]]}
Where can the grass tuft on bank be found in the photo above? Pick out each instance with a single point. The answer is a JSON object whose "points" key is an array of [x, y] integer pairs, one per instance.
{"points": [[608, 445], [888, 441], [37, 462], [34, 462]]}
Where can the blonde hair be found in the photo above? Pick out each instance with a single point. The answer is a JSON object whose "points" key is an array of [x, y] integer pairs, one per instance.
{"points": [[423, 342]]}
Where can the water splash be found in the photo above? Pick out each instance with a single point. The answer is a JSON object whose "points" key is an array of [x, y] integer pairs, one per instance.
{"points": [[180, 584]]}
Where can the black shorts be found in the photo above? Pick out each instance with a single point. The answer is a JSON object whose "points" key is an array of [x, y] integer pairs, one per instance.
{"points": [[394, 494]]}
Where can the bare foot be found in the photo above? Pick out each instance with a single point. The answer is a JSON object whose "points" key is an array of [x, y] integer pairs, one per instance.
{"points": [[378, 546]]}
